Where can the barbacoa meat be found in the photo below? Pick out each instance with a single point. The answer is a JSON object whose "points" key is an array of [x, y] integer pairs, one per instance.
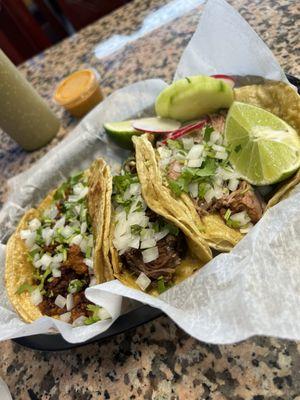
{"points": [[171, 250], [75, 260], [242, 199]]}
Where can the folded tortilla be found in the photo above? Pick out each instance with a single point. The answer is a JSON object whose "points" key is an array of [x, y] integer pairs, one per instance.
{"points": [[19, 269]]}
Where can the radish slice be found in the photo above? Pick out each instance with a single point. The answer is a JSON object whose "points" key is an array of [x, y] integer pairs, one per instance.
{"points": [[186, 129], [156, 125], [226, 78]]}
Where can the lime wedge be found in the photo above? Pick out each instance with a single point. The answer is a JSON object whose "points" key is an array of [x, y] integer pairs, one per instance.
{"points": [[121, 133], [263, 148]]}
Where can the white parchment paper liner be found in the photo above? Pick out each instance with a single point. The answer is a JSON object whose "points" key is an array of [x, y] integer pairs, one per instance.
{"points": [[252, 290]]}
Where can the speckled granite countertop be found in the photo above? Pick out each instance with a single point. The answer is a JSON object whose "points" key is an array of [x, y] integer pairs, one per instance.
{"points": [[157, 360]]}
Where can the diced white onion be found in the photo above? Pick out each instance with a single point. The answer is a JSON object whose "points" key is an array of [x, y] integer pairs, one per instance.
{"points": [[150, 254], [138, 218], [164, 152], [218, 192], [135, 242], [83, 245], [147, 233], [56, 273], [247, 228], [103, 314], [76, 240], [218, 148], [65, 317], [67, 232], [34, 224], [143, 281], [83, 228], [51, 213], [29, 238], [69, 302], [60, 223], [160, 235], [121, 228], [195, 163], [188, 142], [79, 321], [221, 155], [209, 195], [233, 184], [46, 260], [88, 262], [241, 217], [145, 244], [58, 258], [122, 242], [193, 189], [78, 188], [135, 189], [195, 152], [47, 235], [60, 301], [79, 196], [36, 297], [215, 137]]}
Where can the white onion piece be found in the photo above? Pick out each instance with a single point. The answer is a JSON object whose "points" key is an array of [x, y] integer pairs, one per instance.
{"points": [[147, 233], [79, 196], [47, 235], [65, 317], [188, 142], [34, 224], [247, 228], [79, 321], [76, 240], [218, 148], [93, 281], [138, 218], [51, 213], [122, 228], [218, 192], [145, 244], [215, 137], [233, 184], [69, 302], [209, 195], [195, 163], [160, 235], [143, 281], [164, 152], [221, 155], [83, 245], [122, 242], [78, 188], [46, 260], [135, 242], [83, 228], [60, 301], [195, 152], [56, 273], [103, 314], [241, 217], [58, 258], [67, 232], [193, 189], [135, 189], [36, 297], [29, 238], [88, 262], [150, 254], [60, 223]]}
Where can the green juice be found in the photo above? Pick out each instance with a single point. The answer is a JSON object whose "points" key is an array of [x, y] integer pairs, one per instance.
{"points": [[24, 115]]}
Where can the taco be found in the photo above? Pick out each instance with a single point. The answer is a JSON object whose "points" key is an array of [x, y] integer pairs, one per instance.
{"points": [[55, 252], [193, 165], [150, 246]]}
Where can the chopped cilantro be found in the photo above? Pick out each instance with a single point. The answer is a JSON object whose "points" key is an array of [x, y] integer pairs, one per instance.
{"points": [[75, 286], [202, 189], [172, 229], [61, 191], [227, 214], [233, 224], [161, 285], [43, 278], [174, 144], [95, 317], [207, 132], [25, 287], [135, 229], [179, 186]]}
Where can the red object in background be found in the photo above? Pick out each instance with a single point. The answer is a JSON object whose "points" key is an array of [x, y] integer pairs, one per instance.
{"points": [[83, 12], [21, 37]]}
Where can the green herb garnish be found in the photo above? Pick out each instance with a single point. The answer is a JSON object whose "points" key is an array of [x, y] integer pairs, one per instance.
{"points": [[207, 132], [25, 287], [75, 286], [161, 285], [95, 317]]}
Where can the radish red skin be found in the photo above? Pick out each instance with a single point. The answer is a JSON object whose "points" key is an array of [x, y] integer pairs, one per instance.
{"points": [[186, 129], [226, 78]]}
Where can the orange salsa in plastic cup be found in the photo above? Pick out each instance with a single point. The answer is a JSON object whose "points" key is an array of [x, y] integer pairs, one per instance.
{"points": [[79, 92]]}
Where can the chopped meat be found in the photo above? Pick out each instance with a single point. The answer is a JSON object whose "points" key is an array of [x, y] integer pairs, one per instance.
{"points": [[171, 250], [174, 170], [151, 215], [218, 121], [242, 199], [75, 260], [80, 306], [47, 307], [50, 248]]}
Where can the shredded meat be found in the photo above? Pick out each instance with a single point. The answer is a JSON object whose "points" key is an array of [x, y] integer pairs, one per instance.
{"points": [[171, 250], [75, 260], [80, 306], [47, 307], [130, 165], [172, 170], [218, 121], [242, 199]]}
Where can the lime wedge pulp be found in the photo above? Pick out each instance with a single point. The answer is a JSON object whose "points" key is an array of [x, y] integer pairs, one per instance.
{"points": [[121, 133], [263, 148]]}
